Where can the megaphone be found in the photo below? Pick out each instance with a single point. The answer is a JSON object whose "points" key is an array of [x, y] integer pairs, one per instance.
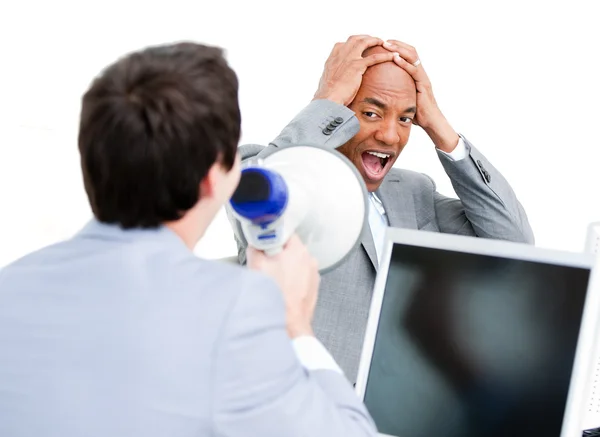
{"points": [[314, 192]]}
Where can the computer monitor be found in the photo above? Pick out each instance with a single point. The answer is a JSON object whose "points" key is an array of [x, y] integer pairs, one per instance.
{"points": [[470, 337], [592, 240]]}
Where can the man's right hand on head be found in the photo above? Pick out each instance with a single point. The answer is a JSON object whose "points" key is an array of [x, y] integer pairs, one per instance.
{"points": [[297, 274], [345, 67]]}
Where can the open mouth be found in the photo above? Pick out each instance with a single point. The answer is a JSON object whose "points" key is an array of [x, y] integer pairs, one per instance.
{"points": [[375, 163]]}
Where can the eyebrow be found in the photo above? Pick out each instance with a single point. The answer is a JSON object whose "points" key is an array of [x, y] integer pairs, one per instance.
{"points": [[381, 105], [375, 102]]}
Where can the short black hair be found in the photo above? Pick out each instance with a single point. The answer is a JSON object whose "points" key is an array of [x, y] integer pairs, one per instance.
{"points": [[152, 125]]}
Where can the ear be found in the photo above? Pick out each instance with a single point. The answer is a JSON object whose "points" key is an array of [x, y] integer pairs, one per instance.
{"points": [[208, 185]]}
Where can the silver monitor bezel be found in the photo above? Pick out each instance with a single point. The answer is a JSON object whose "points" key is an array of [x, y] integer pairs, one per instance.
{"points": [[585, 352], [591, 239]]}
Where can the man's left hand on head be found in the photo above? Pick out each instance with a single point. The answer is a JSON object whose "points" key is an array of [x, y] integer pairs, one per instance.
{"points": [[428, 116]]}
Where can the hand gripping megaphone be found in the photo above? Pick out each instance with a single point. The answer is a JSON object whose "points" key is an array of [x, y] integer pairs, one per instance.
{"points": [[314, 192]]}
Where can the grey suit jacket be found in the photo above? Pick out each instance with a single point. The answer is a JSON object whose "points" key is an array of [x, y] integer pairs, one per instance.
{"points": [[127, 333], [487, 207]]}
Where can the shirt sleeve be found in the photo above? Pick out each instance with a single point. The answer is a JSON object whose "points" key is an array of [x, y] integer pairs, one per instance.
{"points": [[313, 356], [460, 151]]}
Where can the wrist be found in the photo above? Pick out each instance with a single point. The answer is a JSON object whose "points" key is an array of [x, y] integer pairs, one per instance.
{"points": [[300, 330], [331, 97], [443, 136]]}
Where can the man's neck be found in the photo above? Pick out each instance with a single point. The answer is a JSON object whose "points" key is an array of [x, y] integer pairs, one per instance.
{"points": [[188, 237], [192, 226]]}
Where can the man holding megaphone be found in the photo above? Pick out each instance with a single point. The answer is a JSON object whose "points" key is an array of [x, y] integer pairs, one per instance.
{"points": [[370, 95], [121, 330]]}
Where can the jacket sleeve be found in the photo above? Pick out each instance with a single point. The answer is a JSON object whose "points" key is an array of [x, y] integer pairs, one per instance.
{"points": [[260, 387], [486, 207]]}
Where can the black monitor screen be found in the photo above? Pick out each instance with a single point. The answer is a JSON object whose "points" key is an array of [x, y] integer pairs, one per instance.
{"points": [[470, 345]]}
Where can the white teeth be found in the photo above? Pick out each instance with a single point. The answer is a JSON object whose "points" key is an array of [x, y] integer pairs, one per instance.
{"points": [[379, 155]]}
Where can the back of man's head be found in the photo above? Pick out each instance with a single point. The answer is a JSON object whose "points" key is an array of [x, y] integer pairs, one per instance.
{"points": [[152, 125]]}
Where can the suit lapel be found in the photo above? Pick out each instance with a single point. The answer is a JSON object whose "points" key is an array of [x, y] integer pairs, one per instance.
{"points": [[399, 208], [368, 244], [398, 203]]}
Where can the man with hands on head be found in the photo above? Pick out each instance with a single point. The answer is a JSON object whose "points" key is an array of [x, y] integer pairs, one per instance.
{"points": [[370, 95]]}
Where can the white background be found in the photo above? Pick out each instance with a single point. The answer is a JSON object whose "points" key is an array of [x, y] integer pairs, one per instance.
{"points": [[520, 79]]}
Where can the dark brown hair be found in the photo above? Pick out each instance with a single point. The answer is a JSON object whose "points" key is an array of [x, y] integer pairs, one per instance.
{"points": [[152, 125]]}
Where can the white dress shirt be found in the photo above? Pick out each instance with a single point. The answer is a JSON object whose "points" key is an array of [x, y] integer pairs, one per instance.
{"points": [[377, 223], [310, 352], [313, 355]]}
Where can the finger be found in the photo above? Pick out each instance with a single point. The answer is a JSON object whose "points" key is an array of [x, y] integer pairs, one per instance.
{"points": [[354, 38], [376, 58], [416, 73], [401, 44], [410, 55], [316, 276], [352, 41], [336, 48], [252, 251], [292, 242], [253, 256], [358, 46]]}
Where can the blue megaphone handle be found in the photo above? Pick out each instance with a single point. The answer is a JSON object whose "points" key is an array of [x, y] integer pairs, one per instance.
{"points": [[261, 196]]}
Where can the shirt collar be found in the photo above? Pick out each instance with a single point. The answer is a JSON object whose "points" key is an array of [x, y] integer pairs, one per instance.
{"points": [[105, 231], [376, 198], [377, 203]]}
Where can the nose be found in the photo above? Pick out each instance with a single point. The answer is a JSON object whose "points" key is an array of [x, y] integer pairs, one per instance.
{"points": [[387, 132]]}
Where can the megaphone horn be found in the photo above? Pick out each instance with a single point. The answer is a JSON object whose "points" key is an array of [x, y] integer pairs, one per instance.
{"points": [[314, 192]]}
